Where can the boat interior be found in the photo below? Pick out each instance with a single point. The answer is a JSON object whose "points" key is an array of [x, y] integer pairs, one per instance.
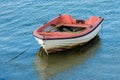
{"points": [[66, 26], [68, 22]]}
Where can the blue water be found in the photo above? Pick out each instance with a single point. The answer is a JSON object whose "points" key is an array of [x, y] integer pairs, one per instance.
{"points": [[19, 18]]}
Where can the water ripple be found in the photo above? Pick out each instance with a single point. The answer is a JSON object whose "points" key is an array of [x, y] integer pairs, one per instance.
{"points": [[19, 18]]}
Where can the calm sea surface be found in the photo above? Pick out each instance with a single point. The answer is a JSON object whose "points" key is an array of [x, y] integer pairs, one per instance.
{"points": [[97, 60]]}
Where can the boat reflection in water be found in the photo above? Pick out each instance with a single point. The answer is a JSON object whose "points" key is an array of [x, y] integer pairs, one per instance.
{"points": [[50, 65]]}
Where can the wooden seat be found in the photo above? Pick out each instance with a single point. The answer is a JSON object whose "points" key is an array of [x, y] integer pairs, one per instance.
{"points": [[77, 25]]}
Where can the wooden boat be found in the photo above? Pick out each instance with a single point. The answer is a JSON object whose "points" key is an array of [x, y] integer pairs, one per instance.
{"points": [[64, 32]]}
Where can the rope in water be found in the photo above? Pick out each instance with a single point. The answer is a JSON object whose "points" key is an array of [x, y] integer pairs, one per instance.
{"points": [[19, 54]]}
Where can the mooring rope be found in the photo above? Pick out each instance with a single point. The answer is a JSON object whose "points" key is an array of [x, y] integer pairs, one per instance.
{"points": [[19, 54]]}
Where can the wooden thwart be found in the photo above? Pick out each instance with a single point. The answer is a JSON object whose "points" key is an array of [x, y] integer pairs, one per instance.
{"points": [[61, 24]]}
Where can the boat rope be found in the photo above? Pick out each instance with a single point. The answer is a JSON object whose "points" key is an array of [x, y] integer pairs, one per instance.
{"points": [[19, 54]]}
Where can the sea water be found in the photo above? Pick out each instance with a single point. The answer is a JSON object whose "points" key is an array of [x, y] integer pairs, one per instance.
{"points": [[97, 60]]}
